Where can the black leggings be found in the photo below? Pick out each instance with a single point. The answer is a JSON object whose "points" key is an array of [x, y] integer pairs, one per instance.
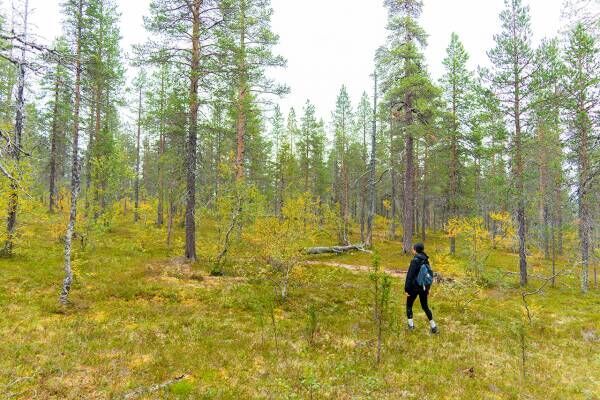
{"points": [[422, 299]]}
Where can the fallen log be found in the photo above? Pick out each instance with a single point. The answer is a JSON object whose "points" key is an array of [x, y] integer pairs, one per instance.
{"points": [[336, 249]]}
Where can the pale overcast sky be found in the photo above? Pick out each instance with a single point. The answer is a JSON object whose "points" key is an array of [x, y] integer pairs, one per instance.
{"points": [[331, 42]]}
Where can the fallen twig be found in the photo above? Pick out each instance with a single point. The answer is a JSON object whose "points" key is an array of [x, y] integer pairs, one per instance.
{"points": [[540, 277], [154, 388], [20, 379], [538, 290]]}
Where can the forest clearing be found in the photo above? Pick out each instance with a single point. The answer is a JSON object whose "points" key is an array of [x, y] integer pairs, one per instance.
{"points": [[168, 233], [142, 317]]}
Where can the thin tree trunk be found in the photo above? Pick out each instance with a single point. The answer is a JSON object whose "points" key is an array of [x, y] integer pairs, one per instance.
{"points": [[520, 187], [543, 189], [53, 147], [424, 191], [171, 212], [371, 216], [88, 161], [394, 179], [136, 215], [161, 152], [241, 105], [584, 209], [559, 221], [553, 255], [362, 188], [190, 212], [13, 199], [95, 176], [346, 212], [453, 167], [409, 182], [75, 183]]}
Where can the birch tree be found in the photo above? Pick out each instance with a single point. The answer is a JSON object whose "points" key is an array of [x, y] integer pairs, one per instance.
{"points": [[16, 142], [74, 10]]}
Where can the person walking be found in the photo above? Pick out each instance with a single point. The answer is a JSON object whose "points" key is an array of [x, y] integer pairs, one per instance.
{"points": [[418, 283]]}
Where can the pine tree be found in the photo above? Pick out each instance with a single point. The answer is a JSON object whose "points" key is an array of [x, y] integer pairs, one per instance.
{"points": [[488, 126], [60, 106], [581, 84], [343, 123], [292, 129], [247, 38], [364, 121], [513, 62], [188, 22], [406, 88], [104, 73], [372, 167], [308, 129], [139, 84], [456, 85], [278, 137], [547, 130], [286, 163]]}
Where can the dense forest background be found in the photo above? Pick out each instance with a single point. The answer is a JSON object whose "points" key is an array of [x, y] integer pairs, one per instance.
{"points": [[512, 151]]}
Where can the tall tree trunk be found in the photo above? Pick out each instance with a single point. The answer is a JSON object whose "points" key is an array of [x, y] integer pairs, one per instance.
{"points": [[425, 199], [95, 178], [190, 212], [75, 184], [544, 213], [559, 220], [89, 155], [371, 216], [240, 135], [171, 215], [394, 181], [453, 166], [53, 146], [161, 152], [553, 235], [519, 183], [280, 190], [409, 181], [363, 210], [240, 126], [13, 198], [584, 208], [136, 215], [346, 205], [362, 192]]}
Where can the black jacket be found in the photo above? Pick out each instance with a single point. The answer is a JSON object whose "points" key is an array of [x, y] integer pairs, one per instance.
{"points": [[410, 286]]}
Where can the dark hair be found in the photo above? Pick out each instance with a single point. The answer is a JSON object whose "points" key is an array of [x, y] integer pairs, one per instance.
{"points": [[419, 247]]}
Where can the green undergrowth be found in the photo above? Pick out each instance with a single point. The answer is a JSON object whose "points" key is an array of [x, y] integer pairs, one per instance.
{"points": [[141, 317]]}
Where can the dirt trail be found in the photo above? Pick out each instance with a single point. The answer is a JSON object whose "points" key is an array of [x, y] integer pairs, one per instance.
{"points": [[356, 268]]}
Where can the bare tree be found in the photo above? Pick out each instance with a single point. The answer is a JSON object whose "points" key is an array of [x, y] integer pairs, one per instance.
{"points": [[15, 149]]}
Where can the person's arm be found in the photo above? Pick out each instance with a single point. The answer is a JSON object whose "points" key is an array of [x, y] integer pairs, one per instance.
{"points": [[410, 275]]}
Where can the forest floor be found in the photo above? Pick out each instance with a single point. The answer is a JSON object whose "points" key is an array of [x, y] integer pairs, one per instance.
{"points": [[144, 325]]}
